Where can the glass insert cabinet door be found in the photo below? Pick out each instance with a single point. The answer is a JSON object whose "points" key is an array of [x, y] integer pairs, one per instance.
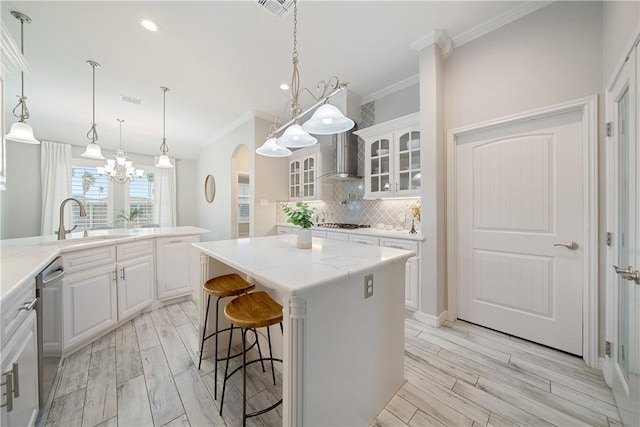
{"points": [[294, 179], [308, 177], [380, 163], [408, 161]]}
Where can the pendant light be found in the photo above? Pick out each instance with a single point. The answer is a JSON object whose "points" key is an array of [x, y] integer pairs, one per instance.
{"points": [[164, 161], [20, 130], [120, 170], [327, 120], [93, 150], [271, 149]]}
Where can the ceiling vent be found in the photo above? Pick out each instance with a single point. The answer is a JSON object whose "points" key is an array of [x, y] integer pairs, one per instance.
{"points": [[278, 8], [131, 99]]}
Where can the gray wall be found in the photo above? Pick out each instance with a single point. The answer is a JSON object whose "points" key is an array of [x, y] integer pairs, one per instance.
{"points": [[20, 203]]}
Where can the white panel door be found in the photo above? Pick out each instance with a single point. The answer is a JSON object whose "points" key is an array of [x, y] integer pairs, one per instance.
{"points": [[135, 285], [519, 190], [623, 289]]}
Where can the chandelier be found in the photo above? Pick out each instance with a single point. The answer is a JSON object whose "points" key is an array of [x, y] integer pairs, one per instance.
{"points": [[120, 170], [20, 130], [326, 120]]}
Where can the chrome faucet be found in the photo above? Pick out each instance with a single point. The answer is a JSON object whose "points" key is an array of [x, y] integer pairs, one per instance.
{"points": [[62, 233]]}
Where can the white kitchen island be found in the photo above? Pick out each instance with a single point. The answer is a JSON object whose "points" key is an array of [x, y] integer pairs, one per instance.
{"points": [[343, 354]]}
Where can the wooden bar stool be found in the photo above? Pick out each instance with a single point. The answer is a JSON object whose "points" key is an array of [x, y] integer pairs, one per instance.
{"points": [[250, 311], [229, 285]]}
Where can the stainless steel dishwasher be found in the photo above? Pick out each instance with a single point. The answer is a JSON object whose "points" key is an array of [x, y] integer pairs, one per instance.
{"points": [[49, 313]]}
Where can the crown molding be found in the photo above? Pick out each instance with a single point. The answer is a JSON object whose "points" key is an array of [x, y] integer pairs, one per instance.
{"points": [[413, 80], [12, 59], [499, 21], [249, 115], [438, 37]]}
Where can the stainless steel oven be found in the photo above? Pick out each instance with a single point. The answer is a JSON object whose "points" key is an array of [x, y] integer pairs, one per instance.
{"points": [[49, 312]]}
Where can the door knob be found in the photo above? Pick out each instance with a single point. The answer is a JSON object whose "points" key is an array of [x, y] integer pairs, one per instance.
{"points": [[571, 245], [628, 273]]}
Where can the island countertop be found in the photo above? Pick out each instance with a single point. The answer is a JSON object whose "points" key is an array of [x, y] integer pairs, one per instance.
{"points": [[276, 262]]}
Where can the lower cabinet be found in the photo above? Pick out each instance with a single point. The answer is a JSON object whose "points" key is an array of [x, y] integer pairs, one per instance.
{"points": [[19, 370], [135, 285], [175, 260], [412, 269], [90, 304]]}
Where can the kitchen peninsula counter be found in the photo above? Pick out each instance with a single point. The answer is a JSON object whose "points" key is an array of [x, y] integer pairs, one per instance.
{"points": [[21, 259], [343, 353]]}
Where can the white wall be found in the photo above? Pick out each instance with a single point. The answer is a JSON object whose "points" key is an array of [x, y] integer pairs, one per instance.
{"points": [[20, 203], [619, 20], [398, 104], [188, 189], [550, 56]]}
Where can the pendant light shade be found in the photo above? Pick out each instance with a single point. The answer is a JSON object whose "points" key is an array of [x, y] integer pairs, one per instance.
{"points": [[93, 150], [22, 132], [328, 120], [296, 137], [164, 161], [271, 149]]}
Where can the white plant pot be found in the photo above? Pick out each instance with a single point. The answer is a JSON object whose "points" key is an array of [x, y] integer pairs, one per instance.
{"points": [[304, 238]]}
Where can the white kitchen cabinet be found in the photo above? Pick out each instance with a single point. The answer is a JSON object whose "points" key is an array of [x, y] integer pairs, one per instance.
{"points": [[365, 240], [90, 304], [342, 237], [135, 285], [136, 277], [283, 230], [305, 168], [19, 372], [412, 269], [392, 158], [175, 261], [319, 233]]}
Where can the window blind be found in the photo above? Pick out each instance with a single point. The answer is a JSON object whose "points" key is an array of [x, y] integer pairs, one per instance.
{"points": [[93, 191]]}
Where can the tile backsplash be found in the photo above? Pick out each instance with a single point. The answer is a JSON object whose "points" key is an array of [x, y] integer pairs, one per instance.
{"points": [[347, 205]]}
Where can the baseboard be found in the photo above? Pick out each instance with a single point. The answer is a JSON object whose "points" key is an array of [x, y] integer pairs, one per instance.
{"points": [[431, 320], [604, 364]]}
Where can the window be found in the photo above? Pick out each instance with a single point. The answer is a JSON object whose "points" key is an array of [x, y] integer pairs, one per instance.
{"points": [[104, 200], [141, 198], [93, 191]]}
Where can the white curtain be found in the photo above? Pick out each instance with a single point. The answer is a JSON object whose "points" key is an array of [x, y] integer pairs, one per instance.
{"points": [[56, 171], [164, 196]]}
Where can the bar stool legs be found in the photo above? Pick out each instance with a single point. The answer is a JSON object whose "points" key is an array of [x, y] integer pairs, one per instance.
{"points": [[260, 359]]}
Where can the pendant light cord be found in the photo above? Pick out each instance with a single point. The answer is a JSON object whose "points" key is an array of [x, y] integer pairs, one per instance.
{"points": [[295, 78], [93, 133], [22, 104], [164, 147]]}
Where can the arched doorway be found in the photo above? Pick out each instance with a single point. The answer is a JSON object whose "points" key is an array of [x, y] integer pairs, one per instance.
{"points": [[240, 193]]}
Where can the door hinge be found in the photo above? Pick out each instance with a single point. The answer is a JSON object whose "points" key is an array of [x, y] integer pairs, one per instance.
{"points": [[609, 129], [607, 348], [609, 238]]}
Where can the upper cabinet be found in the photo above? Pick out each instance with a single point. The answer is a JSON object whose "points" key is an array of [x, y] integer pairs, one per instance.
{"points": [[392, 158], [306, 167]]}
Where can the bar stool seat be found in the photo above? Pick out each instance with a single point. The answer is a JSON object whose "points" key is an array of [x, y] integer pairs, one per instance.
{"points": [[248, 312], [229, 285]]}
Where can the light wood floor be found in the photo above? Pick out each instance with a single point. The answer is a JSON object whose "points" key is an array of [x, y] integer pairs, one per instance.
{"points": [[145, 373]]}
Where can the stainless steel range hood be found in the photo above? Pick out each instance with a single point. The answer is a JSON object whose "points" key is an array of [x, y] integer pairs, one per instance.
{"points": [[346, 157]]}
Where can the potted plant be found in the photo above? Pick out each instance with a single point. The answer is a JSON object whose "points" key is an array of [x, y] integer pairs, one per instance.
{"points": [[302, 216], [128, 218]]}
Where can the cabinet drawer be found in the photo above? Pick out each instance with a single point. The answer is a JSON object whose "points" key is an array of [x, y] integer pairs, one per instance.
{"points": [[342, 237], [400, 244], [12, 316], [131, 250], [318, 233], [283, 230], [365, 240], [78, 261]]}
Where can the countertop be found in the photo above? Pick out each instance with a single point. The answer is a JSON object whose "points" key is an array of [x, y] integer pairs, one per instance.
{"points": [[276, 262], [371, 231], [22, 259]]}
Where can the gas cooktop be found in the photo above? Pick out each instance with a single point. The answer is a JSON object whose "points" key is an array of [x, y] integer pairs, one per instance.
{"points": [[342, 225]]}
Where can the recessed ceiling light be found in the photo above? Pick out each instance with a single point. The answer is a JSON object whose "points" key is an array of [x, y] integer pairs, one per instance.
{"points": [[284, 86], [149, 25]]}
